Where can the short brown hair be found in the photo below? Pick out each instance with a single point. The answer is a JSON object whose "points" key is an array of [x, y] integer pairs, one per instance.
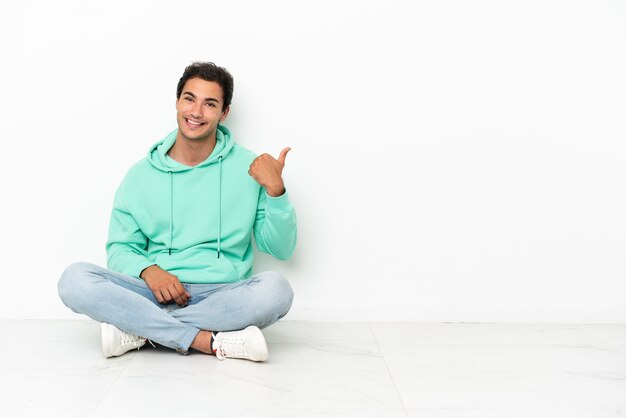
{"points": [[208, 71]]}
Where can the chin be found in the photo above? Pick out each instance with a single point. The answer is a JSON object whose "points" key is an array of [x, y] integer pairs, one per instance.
{"points": [[194, 136]]}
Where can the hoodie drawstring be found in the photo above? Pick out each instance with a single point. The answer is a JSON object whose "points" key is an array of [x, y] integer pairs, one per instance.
{"points": [[219, 209], [171, 211]]}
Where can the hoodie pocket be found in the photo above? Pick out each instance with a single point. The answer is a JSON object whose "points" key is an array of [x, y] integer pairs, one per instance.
{"points": [[198, 265]]}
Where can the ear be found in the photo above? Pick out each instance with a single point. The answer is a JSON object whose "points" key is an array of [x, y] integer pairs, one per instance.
{"points": [[224, 114]]}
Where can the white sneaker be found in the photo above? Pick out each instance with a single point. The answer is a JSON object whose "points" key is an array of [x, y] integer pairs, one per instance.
{"points": [[246, 344], [116, 342]]}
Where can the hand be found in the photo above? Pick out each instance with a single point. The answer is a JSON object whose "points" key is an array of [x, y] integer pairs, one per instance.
{"points": [[267, 171], [165, 286]]}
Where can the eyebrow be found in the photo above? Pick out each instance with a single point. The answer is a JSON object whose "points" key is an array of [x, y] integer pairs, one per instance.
{"points": [[208, 99]]}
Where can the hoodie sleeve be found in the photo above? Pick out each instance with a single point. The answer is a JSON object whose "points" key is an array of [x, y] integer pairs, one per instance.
{"points": [[126, 246], [275, 229]]}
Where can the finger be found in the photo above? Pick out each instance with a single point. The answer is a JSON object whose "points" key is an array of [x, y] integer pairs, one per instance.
{"points": [[260, 158], [167, 297], [158, 296], [252, 174], [182, 294], [176, 296], [178, 299], [283, 155]]}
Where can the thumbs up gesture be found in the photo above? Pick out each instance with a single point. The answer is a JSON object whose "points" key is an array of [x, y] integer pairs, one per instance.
{"points": [[267, 171]]}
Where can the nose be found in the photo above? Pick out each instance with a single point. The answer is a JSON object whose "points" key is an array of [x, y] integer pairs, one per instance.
{"points": [[196, 110]]}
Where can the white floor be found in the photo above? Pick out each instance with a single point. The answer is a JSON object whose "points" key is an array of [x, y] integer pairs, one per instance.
{"points": [[54, 368]]}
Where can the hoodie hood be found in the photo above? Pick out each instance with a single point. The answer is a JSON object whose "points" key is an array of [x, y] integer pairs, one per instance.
{"points": [[157, 155]]}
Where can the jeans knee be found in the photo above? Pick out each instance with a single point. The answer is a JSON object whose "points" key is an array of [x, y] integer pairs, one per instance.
{"points": [[280, 290], [71, 279]]}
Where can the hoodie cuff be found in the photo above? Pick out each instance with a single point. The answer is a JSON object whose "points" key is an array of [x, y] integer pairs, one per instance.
{"points": [[279, 203], [141, 267]]}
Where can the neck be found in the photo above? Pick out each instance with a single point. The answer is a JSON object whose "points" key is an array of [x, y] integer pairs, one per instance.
{"points": [[191, 152]]}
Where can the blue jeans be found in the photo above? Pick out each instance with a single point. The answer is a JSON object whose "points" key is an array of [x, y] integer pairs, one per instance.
{"points": [[129, 304]]}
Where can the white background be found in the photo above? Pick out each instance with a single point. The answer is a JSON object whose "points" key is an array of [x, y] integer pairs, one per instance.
{"points": [[452, 160]]}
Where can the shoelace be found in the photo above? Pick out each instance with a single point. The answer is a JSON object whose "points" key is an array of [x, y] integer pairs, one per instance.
{"points": [[232, 347], [130, 339]]}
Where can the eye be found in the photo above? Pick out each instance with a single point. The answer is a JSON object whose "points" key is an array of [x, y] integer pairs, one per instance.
{"points": [[210, 104], [188, 99]]}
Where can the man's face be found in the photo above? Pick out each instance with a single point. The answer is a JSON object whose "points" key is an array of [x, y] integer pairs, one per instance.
{"points": [[199, 109]]}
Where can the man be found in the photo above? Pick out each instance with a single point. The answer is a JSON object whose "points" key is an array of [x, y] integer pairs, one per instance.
{"points": [[179, 249]]}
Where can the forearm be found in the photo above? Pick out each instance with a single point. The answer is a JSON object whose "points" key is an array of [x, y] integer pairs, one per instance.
{"points": [[276, 231], [125, 260]]}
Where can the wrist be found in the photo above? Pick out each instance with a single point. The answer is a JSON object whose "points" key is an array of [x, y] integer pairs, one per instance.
{"points": [[276, 194], [275, 191], [145, 273]]}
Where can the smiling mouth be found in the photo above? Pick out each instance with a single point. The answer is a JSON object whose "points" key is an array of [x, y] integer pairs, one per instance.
{"points": [[193, 123]]}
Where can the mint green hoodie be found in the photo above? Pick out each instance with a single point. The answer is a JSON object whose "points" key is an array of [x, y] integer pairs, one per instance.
{"points": [[197, 222]]}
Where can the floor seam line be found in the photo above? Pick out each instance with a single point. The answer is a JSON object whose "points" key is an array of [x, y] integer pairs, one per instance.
{"points": [[395, 386]]}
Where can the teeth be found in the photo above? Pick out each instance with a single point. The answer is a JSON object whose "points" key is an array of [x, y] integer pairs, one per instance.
{"points": [[194, 123]]}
